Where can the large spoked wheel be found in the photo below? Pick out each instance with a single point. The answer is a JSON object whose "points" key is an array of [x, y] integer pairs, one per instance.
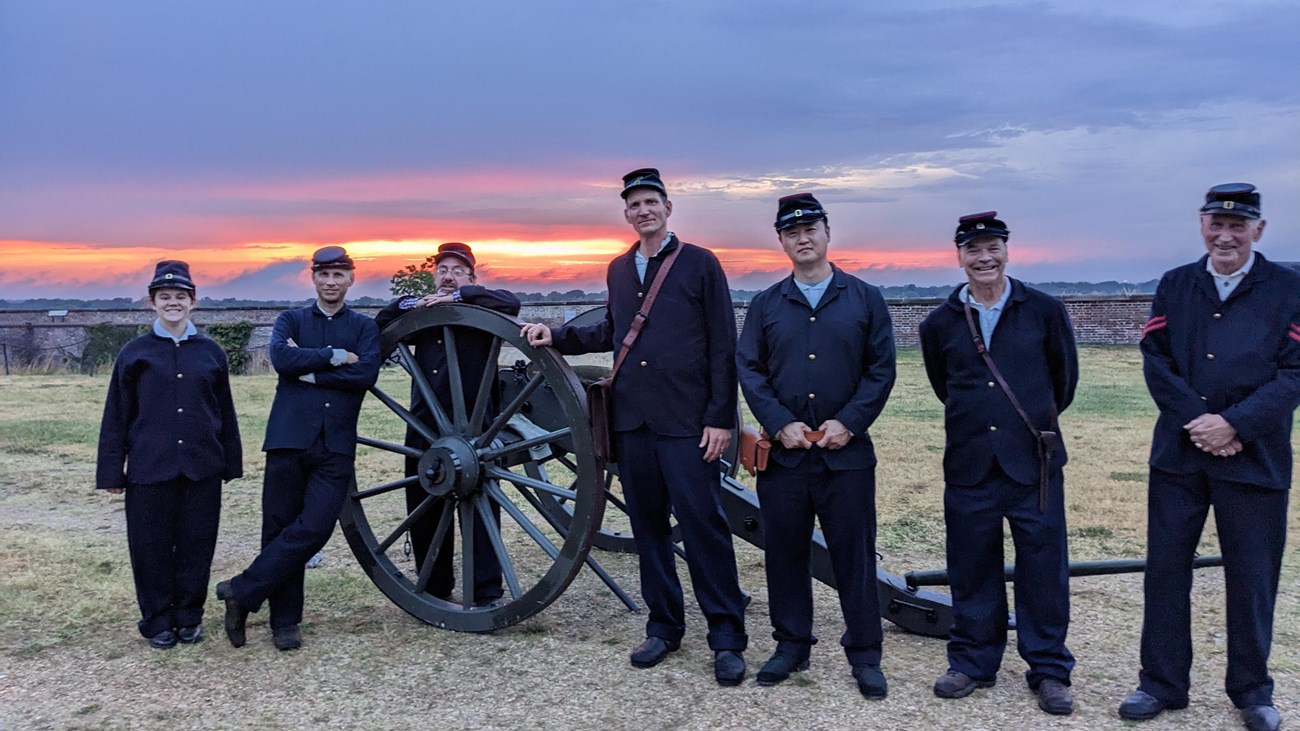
{"points": [[473, 470]]}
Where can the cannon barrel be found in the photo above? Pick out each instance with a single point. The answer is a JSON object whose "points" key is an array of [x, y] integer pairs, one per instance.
{"points": [[939, 577]]}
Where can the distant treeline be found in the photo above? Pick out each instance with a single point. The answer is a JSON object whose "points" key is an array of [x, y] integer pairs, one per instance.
{"points": [[909, 291]]}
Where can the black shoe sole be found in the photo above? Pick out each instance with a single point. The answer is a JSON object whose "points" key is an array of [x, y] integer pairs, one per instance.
{"points": [[649, 662], [1055, 711], [729, 682], [771, 680], [966, 690], [1153, 714]]}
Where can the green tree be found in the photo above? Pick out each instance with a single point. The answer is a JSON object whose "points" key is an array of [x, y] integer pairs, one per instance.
{"points": [[415, 281]]}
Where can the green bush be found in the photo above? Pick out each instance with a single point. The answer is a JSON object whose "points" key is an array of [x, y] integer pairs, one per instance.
{"points": [[233, 338], [103, 341]]}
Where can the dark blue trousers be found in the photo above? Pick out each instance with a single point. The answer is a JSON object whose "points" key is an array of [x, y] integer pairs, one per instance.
{"points": [[978, 637], [171, 533], [663, 474], [1252, 535], [302, 495], [845, 503]]}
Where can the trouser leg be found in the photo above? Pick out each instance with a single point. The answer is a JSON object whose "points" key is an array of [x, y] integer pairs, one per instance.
{"points": [[1042, 582], [1252, 534], [695, 492], [1176, 509], [846, 506], [648, 513], [151, 512], [302, 497], [973, 520], [787, 518], [199, 512]]}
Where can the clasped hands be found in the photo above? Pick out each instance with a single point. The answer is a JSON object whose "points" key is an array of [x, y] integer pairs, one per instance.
{"points": [[429, 300], [1213, 434], [795, 435]]}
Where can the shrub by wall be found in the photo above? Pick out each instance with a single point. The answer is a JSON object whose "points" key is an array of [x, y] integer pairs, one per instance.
{"points": [[233, 338], [103, 341]]}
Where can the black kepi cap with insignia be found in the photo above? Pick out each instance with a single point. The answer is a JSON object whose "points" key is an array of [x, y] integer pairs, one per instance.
{"points": [[457, 250], [331, 257], [173, 275], [976, 225], [1232, 199], [798, 208], [643, 178]]}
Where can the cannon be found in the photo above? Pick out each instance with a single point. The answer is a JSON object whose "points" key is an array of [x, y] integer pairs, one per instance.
{"points": [[521, 449]]}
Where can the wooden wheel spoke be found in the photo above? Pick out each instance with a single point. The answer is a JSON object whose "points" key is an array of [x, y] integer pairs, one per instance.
{"points": [[485, 387], [401, 449], [498, 545], [524, 444], [406, 524], [525, 481], [386, 487], [458, 414], [466, 511], [435, 547], [496, 493], [404, 413], [510, 410], [425, 390]]}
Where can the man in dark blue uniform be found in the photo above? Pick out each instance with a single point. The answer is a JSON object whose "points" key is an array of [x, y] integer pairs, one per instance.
{"points": [[674, 405], [327, 356], [1221, 355], [996, 466], [456, 281], [816, 364]]}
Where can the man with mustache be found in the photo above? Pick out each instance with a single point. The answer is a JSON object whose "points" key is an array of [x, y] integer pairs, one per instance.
{"points": [[1001, 357], [326, 356], [456, 281]]}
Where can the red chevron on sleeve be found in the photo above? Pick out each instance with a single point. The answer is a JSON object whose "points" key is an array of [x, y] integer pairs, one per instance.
{"points": [[1160, 321], [1294, 332]]}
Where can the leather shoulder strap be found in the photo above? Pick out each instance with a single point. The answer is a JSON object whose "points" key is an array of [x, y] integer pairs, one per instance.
{"points": [[997, 375], [642, 316]]}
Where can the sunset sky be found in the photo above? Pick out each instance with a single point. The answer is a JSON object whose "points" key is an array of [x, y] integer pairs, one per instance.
{"points": [[241, 135]]}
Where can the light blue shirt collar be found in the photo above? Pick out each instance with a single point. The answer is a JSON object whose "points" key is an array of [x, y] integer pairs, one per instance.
{"points": [[160, 331], [813, 292], [642, 263], [990, 315]]}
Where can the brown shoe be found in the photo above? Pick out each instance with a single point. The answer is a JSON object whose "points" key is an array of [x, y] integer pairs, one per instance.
{"points": [[953, 684], [286, 638], [1054, 697]]}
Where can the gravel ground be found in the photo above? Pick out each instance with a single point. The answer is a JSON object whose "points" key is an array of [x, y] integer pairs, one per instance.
{"points": [[367, 665]]}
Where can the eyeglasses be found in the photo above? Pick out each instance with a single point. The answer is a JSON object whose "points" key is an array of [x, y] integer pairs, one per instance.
{"points": [[454, 271]]}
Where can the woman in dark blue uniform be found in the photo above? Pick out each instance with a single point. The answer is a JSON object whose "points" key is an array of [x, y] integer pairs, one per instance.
{"points": [[168, 438]]}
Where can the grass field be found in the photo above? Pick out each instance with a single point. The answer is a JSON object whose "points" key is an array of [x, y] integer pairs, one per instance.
{"points": [[70, 656]]}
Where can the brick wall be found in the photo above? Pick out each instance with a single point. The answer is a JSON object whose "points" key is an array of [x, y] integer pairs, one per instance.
{"points": [[29, 336]]}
